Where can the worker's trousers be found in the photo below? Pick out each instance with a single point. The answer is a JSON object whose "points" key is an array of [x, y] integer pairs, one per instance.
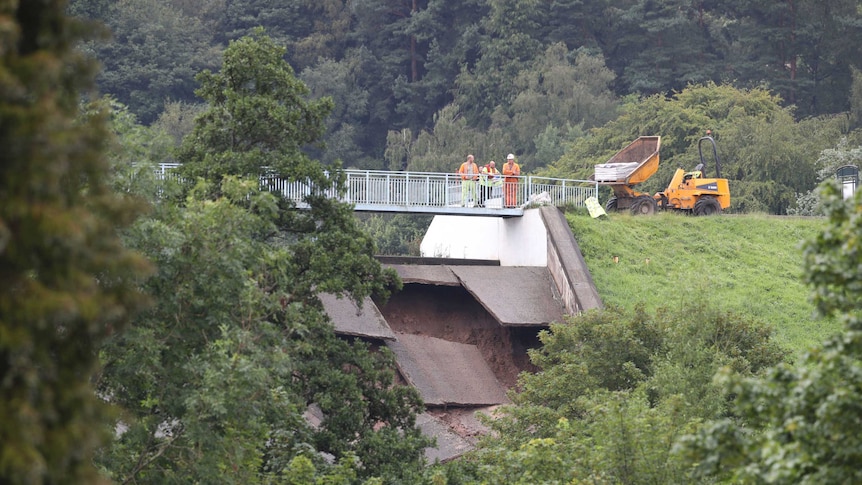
{"points": [[511, 192], [468, 192]]}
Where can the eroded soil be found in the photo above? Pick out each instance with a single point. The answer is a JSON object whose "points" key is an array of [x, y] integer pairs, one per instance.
{"points": [[451, 313]]}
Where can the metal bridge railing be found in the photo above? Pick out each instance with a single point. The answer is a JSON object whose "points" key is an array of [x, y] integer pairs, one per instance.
{"points": [[429, 192], [562, 192]]}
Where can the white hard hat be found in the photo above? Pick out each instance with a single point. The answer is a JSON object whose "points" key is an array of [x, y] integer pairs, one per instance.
{"points": [[510, 157]]}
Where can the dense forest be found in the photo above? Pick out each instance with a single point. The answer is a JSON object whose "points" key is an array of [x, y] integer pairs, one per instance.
{"points": [[170, 331], [419, 84]]}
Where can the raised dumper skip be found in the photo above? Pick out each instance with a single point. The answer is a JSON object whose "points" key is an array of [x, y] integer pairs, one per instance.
{"points": [[690, 192]]}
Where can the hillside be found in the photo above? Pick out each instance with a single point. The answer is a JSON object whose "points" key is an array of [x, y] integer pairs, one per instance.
{"points": [[749, 264]]}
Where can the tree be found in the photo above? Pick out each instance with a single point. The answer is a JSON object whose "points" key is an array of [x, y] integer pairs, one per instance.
{"points": [[217, 379], [177, 120], [68, 283], [310, 29], [510, 42], [557, 93], [135, 153], [616, 390], [445, 147], [258, 119], [680, 120], [134, 143], [663, 46], [410, 53], [214, 381], [446, 38], [856, 100], [397, 234], [345, 133], [805, 52], [801, 423], [153, 56]]}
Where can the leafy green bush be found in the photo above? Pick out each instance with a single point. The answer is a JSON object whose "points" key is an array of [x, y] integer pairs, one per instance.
{"points": [[616, 389], [802, 424]]}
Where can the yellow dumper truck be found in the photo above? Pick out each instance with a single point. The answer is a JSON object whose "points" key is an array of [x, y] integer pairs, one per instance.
{"points": [[691, 192]]}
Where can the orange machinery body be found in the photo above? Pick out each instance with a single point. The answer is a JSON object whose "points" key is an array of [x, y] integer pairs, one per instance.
{"points": [[686, 188], [687, 191]]}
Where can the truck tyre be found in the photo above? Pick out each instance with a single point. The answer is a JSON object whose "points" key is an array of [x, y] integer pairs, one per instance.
{"points": [[707, 206], [611, 205], [644, 206]]}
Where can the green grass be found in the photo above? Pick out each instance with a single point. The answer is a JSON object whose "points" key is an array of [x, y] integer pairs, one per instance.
{"points": [[748, 264]]}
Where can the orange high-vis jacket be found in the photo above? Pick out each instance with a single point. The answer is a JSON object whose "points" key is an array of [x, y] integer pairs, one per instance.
{"points": [[514, 170], [464, 173]]}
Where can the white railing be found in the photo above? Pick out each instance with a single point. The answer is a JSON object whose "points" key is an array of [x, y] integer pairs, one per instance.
{"points": [[386, 191], [163, 169], [562, 192]]}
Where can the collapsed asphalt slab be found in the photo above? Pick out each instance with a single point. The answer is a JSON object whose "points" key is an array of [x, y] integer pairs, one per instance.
{"points": [[446, 373]]}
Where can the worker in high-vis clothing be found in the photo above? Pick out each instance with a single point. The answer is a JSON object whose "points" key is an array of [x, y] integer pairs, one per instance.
{"points": [[511, 173], [489, 179], [469, 176]]}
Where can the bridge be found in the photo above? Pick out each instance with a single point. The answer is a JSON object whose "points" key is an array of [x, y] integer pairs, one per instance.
{"points": [[431, 192], [477, 296]]}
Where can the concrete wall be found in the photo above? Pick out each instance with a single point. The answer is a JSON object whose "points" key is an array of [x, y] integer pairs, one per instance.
{"points": [[558, 274], [567, 266], [540, 238], [515, 241]]}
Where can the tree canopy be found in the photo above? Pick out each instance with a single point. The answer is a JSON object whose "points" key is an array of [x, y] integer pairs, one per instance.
{"points": [[257, 117], [767, 156], [539, 75], [68, 283], [236, 374], [615, 391]]}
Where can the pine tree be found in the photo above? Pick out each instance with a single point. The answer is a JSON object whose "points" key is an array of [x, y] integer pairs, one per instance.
{"points": [[66, 282]]}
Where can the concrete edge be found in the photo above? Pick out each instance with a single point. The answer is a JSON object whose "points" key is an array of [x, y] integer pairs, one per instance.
{"points": [[567, 264]]}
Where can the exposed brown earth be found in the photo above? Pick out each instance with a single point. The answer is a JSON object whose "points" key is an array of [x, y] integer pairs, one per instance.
{"points": [[451, 313]]}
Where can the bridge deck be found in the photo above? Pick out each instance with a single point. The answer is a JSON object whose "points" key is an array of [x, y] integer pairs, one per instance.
{"points": [[434, 193]]}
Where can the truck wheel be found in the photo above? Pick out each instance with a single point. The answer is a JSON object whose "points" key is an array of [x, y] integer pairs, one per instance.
{"points": [[611, 204], [707, 206], [644, 206]]}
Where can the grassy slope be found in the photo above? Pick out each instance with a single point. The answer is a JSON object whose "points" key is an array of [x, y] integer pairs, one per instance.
{"points": [[748, 264]]}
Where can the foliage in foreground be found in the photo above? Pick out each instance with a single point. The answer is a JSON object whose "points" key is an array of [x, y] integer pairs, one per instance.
{"points": [[236, 374], [66, 281], [616, 390], [214, 380], [257, 120], [693, 396], [804, 422]]}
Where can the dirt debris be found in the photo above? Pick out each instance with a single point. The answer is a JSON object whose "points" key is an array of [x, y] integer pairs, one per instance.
{"points": [[465, 422], [451, 313]]}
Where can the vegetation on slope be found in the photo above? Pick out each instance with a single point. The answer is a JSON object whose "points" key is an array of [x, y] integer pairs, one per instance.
{"points": [[212, 382], [692, 392], [746, 264]]}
